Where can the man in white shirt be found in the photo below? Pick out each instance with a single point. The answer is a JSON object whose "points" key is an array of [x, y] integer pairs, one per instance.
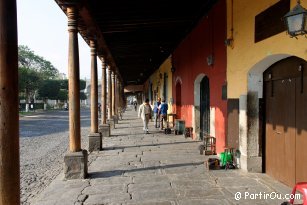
{"points": [[145, 113]]}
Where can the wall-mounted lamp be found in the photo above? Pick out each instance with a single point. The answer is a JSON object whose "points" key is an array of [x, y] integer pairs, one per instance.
{"points": [[229, 42], [210, 60], [296, 20], [173, 69]]}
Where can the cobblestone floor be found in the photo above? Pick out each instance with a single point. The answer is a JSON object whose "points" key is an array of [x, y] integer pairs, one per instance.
{"points": [[137, 168], [43, 143]]}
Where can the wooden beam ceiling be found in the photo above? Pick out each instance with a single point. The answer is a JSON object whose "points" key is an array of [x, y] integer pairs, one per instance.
{"points": [[137, 36]]}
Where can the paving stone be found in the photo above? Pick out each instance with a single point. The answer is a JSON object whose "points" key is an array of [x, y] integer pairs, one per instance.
{"points": [[151, 203], [154, 194], [204, 202], [183, 184], [151, 179], [82, 197], [111, 181], [211, 193], [105, 189], [132, 188], [116, 198]]}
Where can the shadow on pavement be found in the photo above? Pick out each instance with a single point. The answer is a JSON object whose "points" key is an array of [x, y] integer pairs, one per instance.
{"points": [[159, 144], [107, 174]]}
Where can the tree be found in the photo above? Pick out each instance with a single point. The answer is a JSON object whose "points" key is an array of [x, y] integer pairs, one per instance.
{"points": [[29, 82], [62, 95], [49, 89], [64, 84], [82, 84], [83, 96], [28, 59], [34, 70]]}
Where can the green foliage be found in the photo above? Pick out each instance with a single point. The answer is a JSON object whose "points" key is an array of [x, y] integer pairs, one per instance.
{"points": [[83, 96], [82, 84], [64, 84], [63, 95], [29, 81], [35, 73], [28, 59], [49, 89]]}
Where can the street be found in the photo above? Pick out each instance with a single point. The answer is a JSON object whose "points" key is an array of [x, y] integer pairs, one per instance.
{"points": [[43, 142]]}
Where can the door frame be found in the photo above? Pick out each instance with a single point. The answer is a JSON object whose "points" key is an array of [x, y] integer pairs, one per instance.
{"points": [[251, 158]]}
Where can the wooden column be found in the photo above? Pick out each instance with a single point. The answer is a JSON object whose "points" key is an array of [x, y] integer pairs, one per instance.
{"points": [[117, 95], [94, 89], [103, 93], [113, 93], [9, 121], [109, 93], [74, 81], [121, 95]]}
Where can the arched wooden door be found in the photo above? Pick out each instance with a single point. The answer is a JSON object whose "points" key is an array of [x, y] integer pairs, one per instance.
{"points": [[178, 100], [285, 92], [204, 107]]}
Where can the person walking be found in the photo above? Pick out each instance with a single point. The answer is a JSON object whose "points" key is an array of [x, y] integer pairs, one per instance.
{"points": [[156, 113], [135, 105], [145, 113], [163, 107]]}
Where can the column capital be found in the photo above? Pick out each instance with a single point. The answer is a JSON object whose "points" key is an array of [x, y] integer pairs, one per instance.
{"points": [[109, 68], [113, 74], [103, 62], [72, 15], [93, 45]]}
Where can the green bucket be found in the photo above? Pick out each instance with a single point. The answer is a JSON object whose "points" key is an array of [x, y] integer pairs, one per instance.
{"points": [[225, 157]]}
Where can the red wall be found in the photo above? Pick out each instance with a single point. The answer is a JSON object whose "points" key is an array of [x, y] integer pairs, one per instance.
{"points": [[190, 60]]}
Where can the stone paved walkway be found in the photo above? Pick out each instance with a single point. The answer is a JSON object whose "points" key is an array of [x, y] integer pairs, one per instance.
{"points": [[135, 168]]}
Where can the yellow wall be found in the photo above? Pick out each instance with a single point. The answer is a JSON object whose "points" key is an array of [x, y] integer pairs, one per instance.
{"points": [[155, 79], [245, 53]]}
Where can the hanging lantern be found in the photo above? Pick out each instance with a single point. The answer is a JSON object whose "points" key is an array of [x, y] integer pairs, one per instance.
{"points": [[296, 21]]}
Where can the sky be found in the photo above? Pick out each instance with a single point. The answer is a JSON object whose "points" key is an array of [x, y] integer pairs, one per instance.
{"points": [[42, 26]]}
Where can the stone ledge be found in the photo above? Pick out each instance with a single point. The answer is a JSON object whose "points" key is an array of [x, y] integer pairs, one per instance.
{"points": [[94, 142], [104, 129], [115, 118], [75, 165], [111, 122]]}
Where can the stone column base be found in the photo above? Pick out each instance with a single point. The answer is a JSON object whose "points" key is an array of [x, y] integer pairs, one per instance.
{"points": [[104, 129], [94, 142], [111, 123], [115, 117], [75, 165]]}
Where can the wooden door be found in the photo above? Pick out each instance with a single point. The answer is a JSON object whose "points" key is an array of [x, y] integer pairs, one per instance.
{"points": [[280, 130], [285, 93], [204, 107]]}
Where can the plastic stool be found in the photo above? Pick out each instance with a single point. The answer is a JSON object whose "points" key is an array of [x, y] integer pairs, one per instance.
{"points": [[302, 188]]}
